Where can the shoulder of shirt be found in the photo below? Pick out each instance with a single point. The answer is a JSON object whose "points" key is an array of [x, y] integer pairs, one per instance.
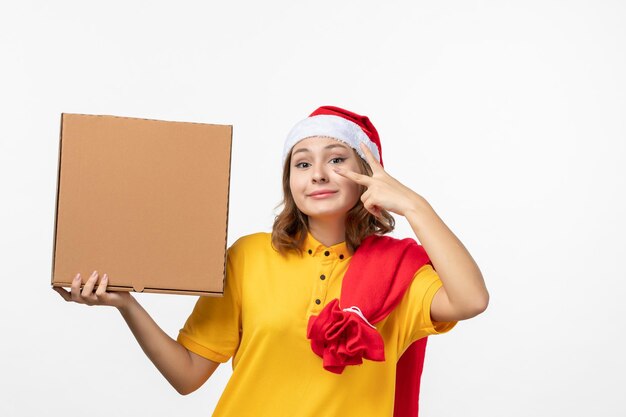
{"points": [[426, 270], [424, 277], [253, 241]]}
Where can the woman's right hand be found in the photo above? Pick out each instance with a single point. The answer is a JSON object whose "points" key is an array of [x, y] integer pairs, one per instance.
{"points": [[100, 296]]}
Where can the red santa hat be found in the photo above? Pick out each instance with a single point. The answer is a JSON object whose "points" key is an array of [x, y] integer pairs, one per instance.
{"points": [[340, 124]]}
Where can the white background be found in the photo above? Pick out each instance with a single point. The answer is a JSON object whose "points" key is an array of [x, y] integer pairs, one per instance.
{"points": [[508, 117]]}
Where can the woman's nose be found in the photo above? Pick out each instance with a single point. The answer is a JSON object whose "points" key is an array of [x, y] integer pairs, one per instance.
{"points": [[320, 175]]}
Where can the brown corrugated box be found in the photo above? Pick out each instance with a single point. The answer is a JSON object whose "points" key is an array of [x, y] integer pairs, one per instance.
{"points": [[145, 201]]}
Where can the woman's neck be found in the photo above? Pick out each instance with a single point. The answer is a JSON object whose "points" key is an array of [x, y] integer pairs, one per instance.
{"points": [[328, 232]]}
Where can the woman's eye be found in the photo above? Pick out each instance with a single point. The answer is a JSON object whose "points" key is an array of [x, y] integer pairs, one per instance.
{"points": [[339, 159]]}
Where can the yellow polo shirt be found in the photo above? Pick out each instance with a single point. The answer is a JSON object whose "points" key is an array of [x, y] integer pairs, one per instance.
{"points": [[261, 322]]}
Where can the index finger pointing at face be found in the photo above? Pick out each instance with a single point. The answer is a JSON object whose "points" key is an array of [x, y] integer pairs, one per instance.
{"points": [[356, 177], [369, 157]]}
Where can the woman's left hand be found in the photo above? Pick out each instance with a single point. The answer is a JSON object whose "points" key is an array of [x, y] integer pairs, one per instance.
{"points": [[383, 191]]}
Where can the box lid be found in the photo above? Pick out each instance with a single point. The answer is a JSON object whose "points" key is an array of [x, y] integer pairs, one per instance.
{"points": [[145, 201]]}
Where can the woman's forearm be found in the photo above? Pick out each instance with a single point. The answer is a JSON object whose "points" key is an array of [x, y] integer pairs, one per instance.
{"points": [[458, 271], [170, 357]]}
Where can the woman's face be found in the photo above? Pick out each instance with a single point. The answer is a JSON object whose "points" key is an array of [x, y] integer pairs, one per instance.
{"points": [[311, 171]]}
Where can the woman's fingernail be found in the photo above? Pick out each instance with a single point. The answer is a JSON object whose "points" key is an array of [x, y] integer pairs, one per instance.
{"points": [[105, 277], [77, 277], [94, 273]]}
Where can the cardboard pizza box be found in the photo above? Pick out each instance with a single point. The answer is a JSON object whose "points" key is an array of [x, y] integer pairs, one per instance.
{"points": [[145, 201]]}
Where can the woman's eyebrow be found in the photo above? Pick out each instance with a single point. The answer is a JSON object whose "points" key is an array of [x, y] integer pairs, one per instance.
{"points": [[334, 145]]}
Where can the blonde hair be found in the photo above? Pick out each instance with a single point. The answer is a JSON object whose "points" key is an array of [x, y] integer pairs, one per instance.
{"points": [[290, 227]]}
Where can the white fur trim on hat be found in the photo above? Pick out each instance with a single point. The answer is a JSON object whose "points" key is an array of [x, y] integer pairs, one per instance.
{"points": [[333, 126]]}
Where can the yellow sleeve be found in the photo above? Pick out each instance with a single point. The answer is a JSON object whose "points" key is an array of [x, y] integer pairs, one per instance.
{"points": [[414, 309], [213, 329]]}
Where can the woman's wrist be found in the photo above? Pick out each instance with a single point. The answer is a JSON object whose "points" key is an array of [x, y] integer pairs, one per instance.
{"points": [[128, 305]]}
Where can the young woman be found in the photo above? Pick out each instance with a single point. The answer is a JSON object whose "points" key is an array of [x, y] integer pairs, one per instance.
{"points": [[317, 314]]}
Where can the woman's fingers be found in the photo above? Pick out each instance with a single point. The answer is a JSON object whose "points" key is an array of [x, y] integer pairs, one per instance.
{"points": [[88, 287], [65, 294], [102, 287], [75, 289], [85, 296], [90, 297]]}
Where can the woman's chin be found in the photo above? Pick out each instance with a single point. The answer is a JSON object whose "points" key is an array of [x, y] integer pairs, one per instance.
{"points": [[325, 215]]}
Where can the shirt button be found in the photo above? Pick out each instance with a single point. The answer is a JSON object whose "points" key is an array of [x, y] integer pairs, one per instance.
{"points": [[310, 251], [317, 301], [322, 277], [340, 256], [326, 253]]}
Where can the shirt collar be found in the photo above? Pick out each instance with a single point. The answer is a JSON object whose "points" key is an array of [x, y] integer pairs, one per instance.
{"points": [[312, 247]]}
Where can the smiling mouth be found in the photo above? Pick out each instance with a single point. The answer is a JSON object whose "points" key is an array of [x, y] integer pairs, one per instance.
{"points": [[323, 194]]}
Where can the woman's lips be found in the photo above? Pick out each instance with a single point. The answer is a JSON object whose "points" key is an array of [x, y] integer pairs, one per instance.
{"points": [[323, 195]]}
